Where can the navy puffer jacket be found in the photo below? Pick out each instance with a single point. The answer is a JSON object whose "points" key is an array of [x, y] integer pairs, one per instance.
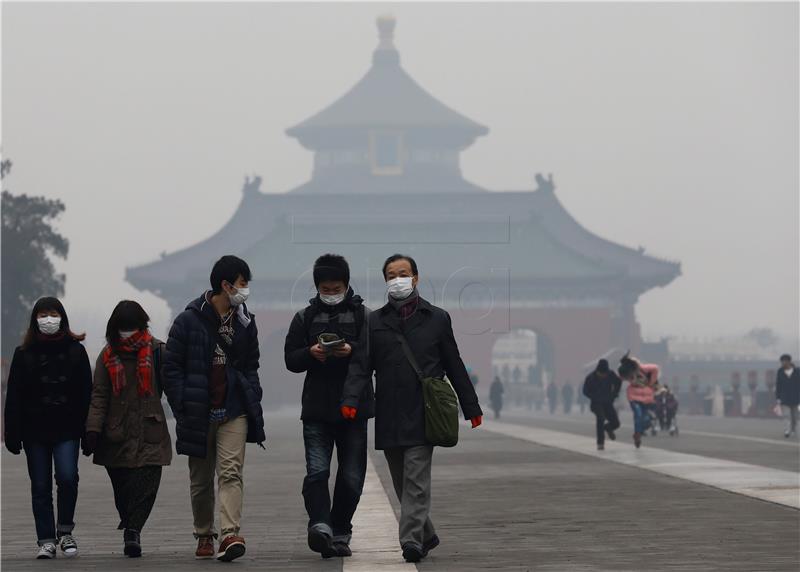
{"points": [[187, 364]]}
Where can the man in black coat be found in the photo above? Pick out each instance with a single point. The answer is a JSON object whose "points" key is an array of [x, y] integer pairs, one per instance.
{"points": [[399, 405], [787, 392], [211, 381], [335, 312], [602, 387]]}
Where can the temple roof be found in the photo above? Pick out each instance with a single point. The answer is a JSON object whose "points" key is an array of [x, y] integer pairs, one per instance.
{"points": [[387, 97]]}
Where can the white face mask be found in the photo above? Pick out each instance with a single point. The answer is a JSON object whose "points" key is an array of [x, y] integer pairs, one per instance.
{"points": [[400, 288], [240, 297], [332, 299], [49, 325], [126, 334]]}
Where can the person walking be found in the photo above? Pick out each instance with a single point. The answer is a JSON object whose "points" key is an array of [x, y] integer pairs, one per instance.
{"points": [[640, 393], [787, 393], [211, 381], [49, 386], [496, 396], [126, 430], [552, 397], [410, 341], [566, 397], [601, 388], [320, 343]]}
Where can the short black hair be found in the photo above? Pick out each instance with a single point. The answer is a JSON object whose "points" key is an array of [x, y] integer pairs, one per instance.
{"points": [[127, 315], [228, 269], [602, 366], [395, 258], [331, 268], [786, 357]]}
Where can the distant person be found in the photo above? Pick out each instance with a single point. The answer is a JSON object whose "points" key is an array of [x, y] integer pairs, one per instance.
{"points": [[567, 393], [211, 382], [671, 405], [552, 397], [640, 394], [49, 386], [126, 429], [581, 400], [602, 387], [496, 396], [337, 312], [787, 393], [409, 340]]}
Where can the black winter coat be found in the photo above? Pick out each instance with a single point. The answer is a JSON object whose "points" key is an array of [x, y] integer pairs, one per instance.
{"points": [[49, 389], [787, 388], [187, 364], [322, 388], [602, 389], [399, 408]]}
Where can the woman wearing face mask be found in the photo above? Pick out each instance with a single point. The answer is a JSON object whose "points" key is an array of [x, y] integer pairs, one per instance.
{"points": [[49, 385], [126, 429]]}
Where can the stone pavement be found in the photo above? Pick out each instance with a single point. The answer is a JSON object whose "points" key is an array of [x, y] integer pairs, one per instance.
{"points": [[499, 503]]}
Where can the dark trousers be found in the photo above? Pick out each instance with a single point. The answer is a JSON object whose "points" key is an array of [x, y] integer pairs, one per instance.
{"points": [[606, 418], [350, 439], [41, 457], [135, 491], [410, 468]]}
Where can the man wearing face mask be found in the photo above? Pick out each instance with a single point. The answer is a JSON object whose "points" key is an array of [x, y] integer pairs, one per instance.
{"points": [[399, 405], [211, 381], [787, 393], [336, 312]]}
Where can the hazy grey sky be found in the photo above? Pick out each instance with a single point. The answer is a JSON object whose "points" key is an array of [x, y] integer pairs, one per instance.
{"points": [[672, 126]]}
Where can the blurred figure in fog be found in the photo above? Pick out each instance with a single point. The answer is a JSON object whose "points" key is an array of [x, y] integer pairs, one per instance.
{"points": [[641, 378], [552, 397], [787, 393], [566, 395], [581, 400], [602, 387], [496, 396]]}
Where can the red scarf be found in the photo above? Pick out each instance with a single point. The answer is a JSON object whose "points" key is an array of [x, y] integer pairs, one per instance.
{"points": [[141, 344]]}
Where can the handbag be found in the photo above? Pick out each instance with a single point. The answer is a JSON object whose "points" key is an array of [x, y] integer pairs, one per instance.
{"points": [[440, 402]]}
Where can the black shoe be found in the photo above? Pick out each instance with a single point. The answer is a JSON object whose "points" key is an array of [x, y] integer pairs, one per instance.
{"points": [[429, 545], [611, 434], [319, 541], [412, 553], [342, 549], [133, 545]]}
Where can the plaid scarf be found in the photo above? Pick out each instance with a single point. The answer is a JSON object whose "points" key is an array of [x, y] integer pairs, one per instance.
{"points": [[141, 344]]}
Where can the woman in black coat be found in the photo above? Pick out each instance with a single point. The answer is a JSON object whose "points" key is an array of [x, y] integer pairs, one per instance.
{"points": [[49, 388]]}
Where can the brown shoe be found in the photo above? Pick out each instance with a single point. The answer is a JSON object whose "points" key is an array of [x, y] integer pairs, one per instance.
{"points": [[231, 548], [205, 548]]}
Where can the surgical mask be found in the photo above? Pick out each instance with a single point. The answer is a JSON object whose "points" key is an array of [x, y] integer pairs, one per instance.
{"points": [[126, 334], [400, 288], [49, 325], [332, 299], [240, 297]]}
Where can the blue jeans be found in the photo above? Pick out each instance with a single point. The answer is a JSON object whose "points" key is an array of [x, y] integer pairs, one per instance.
{"points": [[350, 438], [641, 417], [41, 457]]}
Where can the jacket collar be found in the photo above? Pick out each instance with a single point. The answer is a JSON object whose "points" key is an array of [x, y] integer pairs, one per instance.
{"points": [[391, 318]]}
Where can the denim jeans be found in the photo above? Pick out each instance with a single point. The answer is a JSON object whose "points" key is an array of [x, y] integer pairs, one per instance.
{"points": [[350, 438], [641, 417], [41, 457]]}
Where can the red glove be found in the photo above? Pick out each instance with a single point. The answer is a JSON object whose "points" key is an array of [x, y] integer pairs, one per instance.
{"points": [[348, 412], [476, 421]]}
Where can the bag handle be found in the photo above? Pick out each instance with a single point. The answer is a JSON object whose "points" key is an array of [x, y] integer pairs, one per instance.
{"points": [[410, 356]]}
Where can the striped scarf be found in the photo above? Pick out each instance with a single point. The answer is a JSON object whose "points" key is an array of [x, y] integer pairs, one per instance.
{"points": [[139, 343]]}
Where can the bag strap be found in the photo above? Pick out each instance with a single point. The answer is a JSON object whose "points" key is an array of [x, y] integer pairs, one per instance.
{"points": [[410, 356]]}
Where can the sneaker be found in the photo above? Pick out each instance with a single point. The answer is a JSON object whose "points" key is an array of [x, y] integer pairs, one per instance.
{"points": [[430, 544], [637, 439], [611, 434], [321, 541], [787, 433], [68, 545], [342, 549], [133, 543], [47, 551], [601, 447], [205, 548], [412, 553], [231, 548]]}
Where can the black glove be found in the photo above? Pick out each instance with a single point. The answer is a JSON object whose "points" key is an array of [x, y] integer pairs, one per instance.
{"points": [[90, 443], [14, 447]]}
